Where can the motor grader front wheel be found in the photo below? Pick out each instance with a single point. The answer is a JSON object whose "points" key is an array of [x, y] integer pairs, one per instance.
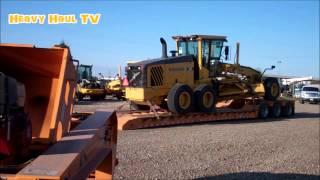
{"points": [[205, 98], [180, 99], [272, 89]]}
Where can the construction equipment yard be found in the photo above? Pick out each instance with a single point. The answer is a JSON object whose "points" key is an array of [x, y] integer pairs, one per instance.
{"points": [[159, 90], [241, 149]]}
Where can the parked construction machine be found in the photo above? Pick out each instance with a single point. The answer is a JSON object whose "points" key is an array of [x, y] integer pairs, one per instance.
{"points": [[115, 87], [88, 85], [195, 77]]}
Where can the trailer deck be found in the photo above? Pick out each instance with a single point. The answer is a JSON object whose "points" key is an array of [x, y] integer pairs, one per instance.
{"points": [[130, 120]]}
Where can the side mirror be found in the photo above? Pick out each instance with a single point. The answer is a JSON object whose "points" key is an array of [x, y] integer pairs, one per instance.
{"points": [[226, 52]]}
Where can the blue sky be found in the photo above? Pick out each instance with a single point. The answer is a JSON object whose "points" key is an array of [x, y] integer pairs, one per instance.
{"points": [[269, 32]]}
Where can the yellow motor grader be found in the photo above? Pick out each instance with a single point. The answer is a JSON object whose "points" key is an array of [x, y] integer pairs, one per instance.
{"points": [[195, 77]]}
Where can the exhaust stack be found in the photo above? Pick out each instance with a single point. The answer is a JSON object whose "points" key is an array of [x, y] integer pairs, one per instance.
{"points": [[164, 48], [238, 53]]}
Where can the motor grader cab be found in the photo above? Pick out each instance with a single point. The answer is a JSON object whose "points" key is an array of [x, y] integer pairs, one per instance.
{"points": [[195, 77], [87, 85]]}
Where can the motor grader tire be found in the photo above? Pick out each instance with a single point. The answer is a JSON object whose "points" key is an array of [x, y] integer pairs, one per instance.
{"points": [[180, 99], [205, 98], [263, 110], [272, 89], [275, 110]]}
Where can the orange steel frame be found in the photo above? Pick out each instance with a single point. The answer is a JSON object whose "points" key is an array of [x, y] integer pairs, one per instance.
{"points": [[50, 80], [87, 151]]}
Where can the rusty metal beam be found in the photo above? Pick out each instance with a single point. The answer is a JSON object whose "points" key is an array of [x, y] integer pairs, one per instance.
{"points": [[86, 148]]}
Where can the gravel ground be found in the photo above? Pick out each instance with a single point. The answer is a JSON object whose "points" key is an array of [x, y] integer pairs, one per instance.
{"points": [[246, 149]]}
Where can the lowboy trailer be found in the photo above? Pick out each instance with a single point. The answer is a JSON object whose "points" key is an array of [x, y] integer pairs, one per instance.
{"points": [[253, 108]]}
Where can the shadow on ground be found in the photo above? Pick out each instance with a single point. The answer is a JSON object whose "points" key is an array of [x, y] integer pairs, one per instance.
{"points": [[262, 175], [306, 115]]}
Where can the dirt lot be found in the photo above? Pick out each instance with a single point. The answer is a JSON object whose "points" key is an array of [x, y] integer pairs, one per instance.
{"points": [[246, 149]]}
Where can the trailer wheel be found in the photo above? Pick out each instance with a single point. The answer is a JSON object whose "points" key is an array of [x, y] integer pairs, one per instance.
{"points": [[272, 89], [180, 99], [263, 110], [275, 110], [205, 98], [287, 110]]}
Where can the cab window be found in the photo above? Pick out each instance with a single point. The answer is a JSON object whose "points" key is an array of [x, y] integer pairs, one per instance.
{"points": [[211, 51], [188, 48], [216, 47]]}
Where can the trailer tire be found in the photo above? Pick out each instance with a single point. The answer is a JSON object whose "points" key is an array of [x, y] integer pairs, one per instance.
{"points": [[180, 99], [205, 98], [272, 89], [275, 110], [263, 110], [287, 109]]}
